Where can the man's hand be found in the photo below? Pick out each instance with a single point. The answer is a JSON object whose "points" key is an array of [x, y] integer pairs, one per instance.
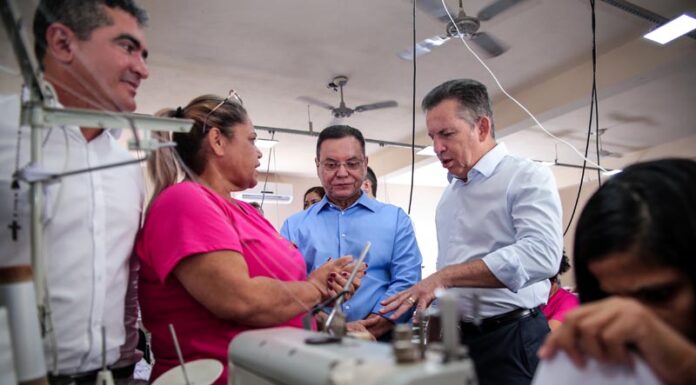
{"points": [[419, 295], [612, 329], [375, 324]]}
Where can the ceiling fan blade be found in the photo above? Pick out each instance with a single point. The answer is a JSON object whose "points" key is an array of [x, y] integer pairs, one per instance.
{"points": [[375, 106], [423, 47], [434, 8], [497, 7], [316, 102], [488, 44]]}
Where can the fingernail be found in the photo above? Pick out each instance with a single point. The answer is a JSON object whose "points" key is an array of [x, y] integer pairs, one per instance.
{"points": [[345, 274], [332, 275], [330, 280]]}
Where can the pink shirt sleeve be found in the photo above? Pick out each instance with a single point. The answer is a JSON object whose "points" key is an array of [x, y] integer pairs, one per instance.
{"points": [[565, 302], [184, 221]]}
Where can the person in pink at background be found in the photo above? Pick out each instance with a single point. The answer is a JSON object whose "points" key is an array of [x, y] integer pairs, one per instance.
{"points": [[561, 300]]}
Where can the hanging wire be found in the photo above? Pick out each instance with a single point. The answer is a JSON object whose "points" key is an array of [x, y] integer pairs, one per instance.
{"points": [[500, 86]]}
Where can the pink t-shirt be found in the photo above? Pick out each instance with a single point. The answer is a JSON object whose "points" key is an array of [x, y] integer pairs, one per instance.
{"points": [[188, 219], [561, 302]]}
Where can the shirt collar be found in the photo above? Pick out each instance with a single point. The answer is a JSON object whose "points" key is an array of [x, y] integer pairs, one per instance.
{"points": [[364, 201], [490, 160]]}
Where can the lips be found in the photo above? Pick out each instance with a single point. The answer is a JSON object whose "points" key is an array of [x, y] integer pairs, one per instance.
{"points": [[133, 84]]}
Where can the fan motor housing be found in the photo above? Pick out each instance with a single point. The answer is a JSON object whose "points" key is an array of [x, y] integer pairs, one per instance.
{"points": [[467, 25]]}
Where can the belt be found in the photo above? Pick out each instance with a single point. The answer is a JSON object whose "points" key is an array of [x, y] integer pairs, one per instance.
{"points": [[90, 377], [490, 324]]}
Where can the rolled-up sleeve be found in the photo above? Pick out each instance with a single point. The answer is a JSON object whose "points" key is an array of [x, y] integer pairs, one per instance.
{"points": [[535, 208]]}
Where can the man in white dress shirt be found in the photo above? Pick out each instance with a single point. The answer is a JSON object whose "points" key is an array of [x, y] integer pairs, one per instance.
{"points": [[93, 54], [499, 234]]}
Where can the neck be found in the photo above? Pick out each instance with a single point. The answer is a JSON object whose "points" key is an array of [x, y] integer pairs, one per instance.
{"points": [[66, 96], [216, 182], [344, 203]]}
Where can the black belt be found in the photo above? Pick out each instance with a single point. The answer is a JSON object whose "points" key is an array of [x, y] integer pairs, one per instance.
{"points": [[90, 377], [490, 324]]}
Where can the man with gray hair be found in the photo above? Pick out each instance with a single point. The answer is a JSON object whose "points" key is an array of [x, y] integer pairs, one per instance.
{"points": [[499, 236], [93, 55]]}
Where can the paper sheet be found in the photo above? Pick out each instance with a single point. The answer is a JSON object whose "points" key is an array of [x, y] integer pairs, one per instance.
{"points": [[561, 370]]}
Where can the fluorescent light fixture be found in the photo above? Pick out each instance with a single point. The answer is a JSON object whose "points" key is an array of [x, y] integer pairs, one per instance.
{"points": [[427, 151], [672, 30], [266, 143], [612, 172]]}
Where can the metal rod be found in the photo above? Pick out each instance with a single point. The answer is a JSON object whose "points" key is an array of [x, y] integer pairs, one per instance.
{"points": [[381, 143], [178, 354]]}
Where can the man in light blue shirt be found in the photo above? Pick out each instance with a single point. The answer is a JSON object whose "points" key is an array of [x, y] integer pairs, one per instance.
{"points": [[499, 236], [345, 219]]}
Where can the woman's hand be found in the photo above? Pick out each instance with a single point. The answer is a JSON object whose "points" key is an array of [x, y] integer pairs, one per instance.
{"points": [[611, 329], [322, 278]]}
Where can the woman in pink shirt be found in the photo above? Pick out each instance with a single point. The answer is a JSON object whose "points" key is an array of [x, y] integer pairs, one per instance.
{"points": [[211, 265], [561, 300]]}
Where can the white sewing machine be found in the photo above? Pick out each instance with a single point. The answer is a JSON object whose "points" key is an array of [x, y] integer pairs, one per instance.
{"points": [[289, 356]]}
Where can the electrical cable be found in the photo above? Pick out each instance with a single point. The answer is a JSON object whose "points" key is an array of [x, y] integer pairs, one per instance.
{"points": [[500, 86], [413, 115], [593, 113]]}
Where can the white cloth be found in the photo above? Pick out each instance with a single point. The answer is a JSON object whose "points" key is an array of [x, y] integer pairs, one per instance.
{"points": [[507, 213], [561, 369], [90, 222]]}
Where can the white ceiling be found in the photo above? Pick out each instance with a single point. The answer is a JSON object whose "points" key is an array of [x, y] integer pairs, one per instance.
{"points": [[274, 51]]}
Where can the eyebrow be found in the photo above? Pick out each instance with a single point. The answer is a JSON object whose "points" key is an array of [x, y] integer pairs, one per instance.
{"points": [[136, 43]]}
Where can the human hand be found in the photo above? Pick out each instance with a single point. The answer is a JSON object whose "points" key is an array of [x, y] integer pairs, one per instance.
{"points": [[358, 330], [611, 329], [419, 295], [322, 278]]}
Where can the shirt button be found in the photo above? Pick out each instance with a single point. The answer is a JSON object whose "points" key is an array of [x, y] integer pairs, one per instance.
{"points": [[343, 235]]}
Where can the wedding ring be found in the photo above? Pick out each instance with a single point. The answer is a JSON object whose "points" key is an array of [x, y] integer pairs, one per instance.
{"points": [[411, 300]]}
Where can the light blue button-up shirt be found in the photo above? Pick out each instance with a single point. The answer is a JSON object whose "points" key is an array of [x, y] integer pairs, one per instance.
{"points": [[394, 260], [507, 213]]}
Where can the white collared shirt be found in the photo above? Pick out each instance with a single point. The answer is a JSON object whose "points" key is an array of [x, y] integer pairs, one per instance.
{"points": [[90, 223], [507, 213]]}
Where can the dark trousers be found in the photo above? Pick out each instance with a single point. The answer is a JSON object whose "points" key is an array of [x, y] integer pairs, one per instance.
{"points": [[507, 355]]}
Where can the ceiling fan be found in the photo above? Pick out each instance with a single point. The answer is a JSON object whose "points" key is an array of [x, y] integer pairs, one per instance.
{"points": [[342, 111], [468, 26]]}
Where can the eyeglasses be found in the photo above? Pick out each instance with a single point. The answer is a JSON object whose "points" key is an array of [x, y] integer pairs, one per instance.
{"points": [[351, 165], [232, 96]]}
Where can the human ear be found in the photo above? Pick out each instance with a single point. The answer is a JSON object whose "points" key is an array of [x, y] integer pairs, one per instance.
{"points": [[484, 126], [215, 140], [60, 42]]}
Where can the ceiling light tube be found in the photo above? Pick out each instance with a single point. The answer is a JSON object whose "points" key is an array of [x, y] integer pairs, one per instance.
{"points": [[266, 143], [672, 30], [427, 151]]}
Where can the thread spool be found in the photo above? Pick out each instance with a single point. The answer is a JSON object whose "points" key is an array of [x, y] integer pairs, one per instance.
{"points": [[18, 297]]}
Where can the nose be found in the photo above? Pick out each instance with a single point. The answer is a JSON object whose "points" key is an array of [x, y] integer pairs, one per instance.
{"points": [[342, 170], [438, 146], [259, 154], [140, 67]]}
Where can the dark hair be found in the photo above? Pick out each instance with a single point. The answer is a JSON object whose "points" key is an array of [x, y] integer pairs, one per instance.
{"points": [[81, 16], [471, 95], [648, 210], [162, 165], [317, 190], [565, 266], [339, 132], [373, 180]]}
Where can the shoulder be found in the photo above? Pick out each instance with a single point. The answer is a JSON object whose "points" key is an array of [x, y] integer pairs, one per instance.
{"points": [[185, 194], [520, 170]]}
